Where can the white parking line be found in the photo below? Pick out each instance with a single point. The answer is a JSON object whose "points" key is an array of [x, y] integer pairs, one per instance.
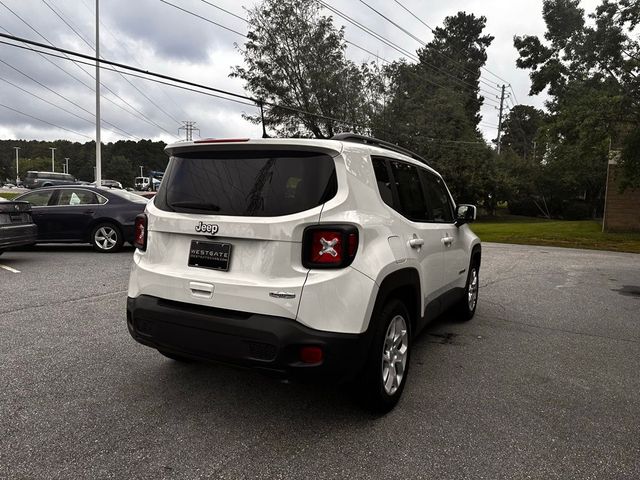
{"points": [[12, 270]]}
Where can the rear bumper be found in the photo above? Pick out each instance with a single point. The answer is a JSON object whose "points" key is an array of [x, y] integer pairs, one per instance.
{"points": [[18, 235], [268, 343]]}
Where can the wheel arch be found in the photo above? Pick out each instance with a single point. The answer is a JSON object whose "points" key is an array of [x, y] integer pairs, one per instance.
{"points": [[476, 255], [403, 284]]}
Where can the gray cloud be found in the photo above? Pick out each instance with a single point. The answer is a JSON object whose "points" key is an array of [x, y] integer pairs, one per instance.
{"points": [[157, 37]]}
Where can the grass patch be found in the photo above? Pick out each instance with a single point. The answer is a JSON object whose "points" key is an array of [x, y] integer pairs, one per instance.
{"points": [[9, 195], [573, 234]]}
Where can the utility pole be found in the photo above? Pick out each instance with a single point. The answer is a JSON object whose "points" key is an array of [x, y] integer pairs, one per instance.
{"points": [[17, 149], [189, 127], [500, 118], [66, 164], [53, 158], [98, 173]]}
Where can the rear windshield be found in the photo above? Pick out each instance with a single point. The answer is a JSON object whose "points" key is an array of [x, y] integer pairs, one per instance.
{"points": [[247, 183], [132, 197]]}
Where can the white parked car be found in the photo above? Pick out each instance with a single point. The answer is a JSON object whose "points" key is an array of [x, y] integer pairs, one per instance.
{"points": [[307, 258]]}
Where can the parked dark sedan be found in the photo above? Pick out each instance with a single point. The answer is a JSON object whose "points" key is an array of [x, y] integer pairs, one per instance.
{"points": [[84, 214], [16, 225]]}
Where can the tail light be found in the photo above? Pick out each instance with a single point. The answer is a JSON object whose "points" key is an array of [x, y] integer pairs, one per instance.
{"points": [[329, 246], [140, 232]]}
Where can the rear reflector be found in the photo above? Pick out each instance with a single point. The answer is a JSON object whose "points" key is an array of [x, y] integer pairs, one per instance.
{"points": [[221, 140], [311, 355], [140, 232]]}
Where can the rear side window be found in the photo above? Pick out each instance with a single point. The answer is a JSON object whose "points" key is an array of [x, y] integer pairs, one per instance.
{"points": [[412, 201], [383, 181], [38, 199], [77, 197], [247, 183]]}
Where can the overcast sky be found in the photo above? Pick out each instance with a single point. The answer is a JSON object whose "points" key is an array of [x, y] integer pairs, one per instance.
{"points": [[155, 36]]}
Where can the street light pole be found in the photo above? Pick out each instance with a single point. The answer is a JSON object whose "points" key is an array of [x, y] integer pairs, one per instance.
{"points": [[66, 164], [17, 149], [53, 158], [98, 173], [141, 173]]}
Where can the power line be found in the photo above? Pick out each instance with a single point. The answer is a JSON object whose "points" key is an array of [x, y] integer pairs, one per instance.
{"points": [[56, 106], [204, 18], [44, 121], [422, 22], [349, 19], [140, 115], [59, 95], [92, 47], [123, 47], [424, 44], [186, 82], [103, 67], [395, 46], [225, 11]]}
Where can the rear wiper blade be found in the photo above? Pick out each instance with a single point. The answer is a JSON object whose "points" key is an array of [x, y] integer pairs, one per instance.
{"points": [[197, 206]]}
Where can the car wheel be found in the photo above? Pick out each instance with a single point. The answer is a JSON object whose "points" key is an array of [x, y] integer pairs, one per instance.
{"points": [[466, 308], [106, 238], [387, 366], [173, 356]]}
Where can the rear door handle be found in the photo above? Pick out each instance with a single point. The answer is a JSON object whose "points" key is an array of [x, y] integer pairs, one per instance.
{"points": [[89, 211], [447, 241], [416, 242]]}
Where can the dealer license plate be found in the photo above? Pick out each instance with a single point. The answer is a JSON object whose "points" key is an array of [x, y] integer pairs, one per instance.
{"points": [[213, 255]]}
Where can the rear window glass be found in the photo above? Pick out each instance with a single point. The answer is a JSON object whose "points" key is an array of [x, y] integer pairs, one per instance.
{"points": [[132, 197], [247, 183]]}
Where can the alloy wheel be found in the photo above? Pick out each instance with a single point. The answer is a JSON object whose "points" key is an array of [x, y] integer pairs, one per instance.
{"points": [[395, 352]]}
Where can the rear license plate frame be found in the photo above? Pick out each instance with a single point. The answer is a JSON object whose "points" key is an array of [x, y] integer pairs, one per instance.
{"points": [[210, 255]]}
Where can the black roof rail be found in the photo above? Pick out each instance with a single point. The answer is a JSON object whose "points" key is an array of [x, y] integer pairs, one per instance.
{"points": [[355, 138]]}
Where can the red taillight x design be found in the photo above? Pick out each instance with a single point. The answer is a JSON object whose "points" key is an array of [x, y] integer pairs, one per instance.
{"points": [[140, 232], [329, 246]]}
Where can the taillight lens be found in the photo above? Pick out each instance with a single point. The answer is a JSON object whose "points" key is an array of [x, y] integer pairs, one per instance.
{"points": [[140, 232], [329, 246]]}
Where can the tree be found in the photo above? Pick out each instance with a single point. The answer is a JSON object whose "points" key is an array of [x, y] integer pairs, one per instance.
{"points": [[592, 70], [433, 108], [294, 57], [520, 129]]}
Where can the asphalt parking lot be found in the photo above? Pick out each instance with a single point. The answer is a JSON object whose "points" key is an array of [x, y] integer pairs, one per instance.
{"points": [[542, 384]]}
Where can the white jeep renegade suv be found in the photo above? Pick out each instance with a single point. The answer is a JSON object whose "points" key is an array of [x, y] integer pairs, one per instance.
{"points": [[307, 258]]}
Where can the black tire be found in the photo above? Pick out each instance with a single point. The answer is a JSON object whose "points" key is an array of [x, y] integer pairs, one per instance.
{"points": [[106, 238], [173, 356], [377, 397], [466, 307]]}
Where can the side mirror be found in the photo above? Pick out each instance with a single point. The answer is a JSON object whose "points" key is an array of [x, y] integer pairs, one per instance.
{"points": [[465, 214]]}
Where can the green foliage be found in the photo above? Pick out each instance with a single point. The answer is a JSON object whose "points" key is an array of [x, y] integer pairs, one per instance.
{"points": [[591, 70], [520, 129], [436, 100], [294, 57]]}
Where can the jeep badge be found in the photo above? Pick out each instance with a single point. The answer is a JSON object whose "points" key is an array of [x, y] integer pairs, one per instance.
{"points": [[211, 228]]}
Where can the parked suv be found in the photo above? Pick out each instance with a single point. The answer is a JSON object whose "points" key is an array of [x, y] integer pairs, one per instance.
{"points": [[307, 258], [47, 179]]}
